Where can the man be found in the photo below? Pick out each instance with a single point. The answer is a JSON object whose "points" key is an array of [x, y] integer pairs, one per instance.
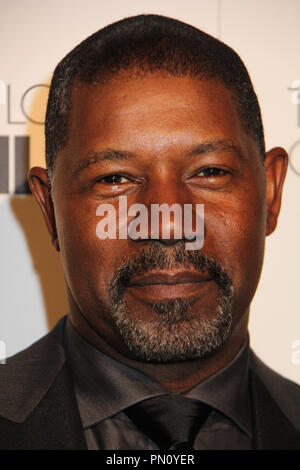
{"points": [[154, 353]]}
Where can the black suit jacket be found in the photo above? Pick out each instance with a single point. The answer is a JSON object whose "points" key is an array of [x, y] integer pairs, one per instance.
{"points": [[38, 408]]}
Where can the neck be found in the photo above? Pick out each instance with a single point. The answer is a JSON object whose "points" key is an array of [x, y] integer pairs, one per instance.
{"points": [[175, 377]]}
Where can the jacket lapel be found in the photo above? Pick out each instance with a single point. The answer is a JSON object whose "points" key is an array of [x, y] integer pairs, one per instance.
{"points": [[272, 429], [54, 424]]}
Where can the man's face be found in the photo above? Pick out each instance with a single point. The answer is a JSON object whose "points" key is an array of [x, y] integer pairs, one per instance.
{"points": [[166, 140]]}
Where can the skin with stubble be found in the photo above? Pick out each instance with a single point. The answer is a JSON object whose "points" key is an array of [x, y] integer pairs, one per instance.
{"points": [[178, 316]]}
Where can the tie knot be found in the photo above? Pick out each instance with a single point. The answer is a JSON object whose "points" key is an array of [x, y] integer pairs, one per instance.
{"points": [[171, 421]]}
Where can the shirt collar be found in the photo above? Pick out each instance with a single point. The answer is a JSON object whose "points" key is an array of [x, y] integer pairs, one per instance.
{"points": [[228, 390], [105, 387]]}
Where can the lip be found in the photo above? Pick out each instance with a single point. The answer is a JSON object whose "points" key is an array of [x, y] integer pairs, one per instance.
{"points": [[163, 285], [169, 278]]}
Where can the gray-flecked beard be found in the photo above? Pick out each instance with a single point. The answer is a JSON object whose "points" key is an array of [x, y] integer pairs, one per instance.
{"points": [[174, 334]]}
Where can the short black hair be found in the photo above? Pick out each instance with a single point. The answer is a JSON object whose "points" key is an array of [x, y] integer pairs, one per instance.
{"points": [[148, 43]]}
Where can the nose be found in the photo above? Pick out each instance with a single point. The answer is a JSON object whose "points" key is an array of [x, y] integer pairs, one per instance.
{"points": [[161, 217], [166, 222], [166, 214]]}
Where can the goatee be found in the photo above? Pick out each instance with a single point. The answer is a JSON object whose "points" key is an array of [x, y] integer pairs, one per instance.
{"points": [[174, 334]]}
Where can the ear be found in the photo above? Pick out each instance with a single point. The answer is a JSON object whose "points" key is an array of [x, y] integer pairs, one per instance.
{"points": [[276, 162], [41, 189]]}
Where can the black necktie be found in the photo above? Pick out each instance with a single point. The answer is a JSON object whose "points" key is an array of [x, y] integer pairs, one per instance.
{"points": [[171, 421]]}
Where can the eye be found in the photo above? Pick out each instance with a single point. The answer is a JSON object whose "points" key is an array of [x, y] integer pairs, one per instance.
{"points": [[212, 177], [212, 172], [113, 179]]}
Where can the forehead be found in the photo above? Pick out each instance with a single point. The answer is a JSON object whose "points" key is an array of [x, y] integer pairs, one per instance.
{"points": [[150, 112]]}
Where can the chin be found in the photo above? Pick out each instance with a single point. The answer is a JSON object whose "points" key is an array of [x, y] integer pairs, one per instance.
{"points": [[174, 332]]}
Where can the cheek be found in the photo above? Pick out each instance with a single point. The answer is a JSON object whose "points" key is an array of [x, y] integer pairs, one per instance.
{"points": [[87, 261], [236, 236]]}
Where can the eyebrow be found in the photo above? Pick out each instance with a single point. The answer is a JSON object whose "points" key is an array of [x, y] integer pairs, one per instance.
{"points": [[216, 146], [93, 158]]}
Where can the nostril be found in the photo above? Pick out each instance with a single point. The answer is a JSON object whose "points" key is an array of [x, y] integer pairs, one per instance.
{"points": [[167, 242]]}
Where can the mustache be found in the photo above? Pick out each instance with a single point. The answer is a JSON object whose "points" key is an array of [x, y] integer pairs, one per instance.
{"points": [[157, 258]]}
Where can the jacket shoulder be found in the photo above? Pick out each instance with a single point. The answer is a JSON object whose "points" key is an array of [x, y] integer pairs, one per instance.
{"points": [[285, 392], [26, 377]]}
